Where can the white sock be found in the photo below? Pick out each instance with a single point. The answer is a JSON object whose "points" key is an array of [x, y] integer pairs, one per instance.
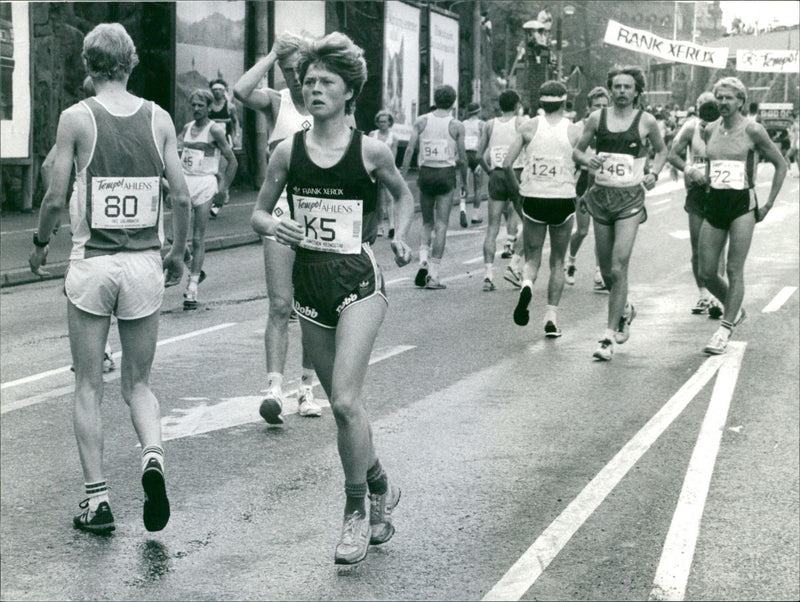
{"points": [[274, 381], [551, 314], [97, 493], [527, 282], [433, 268], [462, 205], [423, 254], [489, 270], [703, 291], [153, 451], [609, 335], [570, 260]]}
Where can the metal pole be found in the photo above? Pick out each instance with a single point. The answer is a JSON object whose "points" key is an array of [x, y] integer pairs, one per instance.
{"points": [[476, 55], [559, 43]]}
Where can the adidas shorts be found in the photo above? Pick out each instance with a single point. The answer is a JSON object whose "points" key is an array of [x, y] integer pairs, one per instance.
{"points": [[201, 188], [552, 212], [608, 205], [725, 206], [326, 286], [129, 285]]}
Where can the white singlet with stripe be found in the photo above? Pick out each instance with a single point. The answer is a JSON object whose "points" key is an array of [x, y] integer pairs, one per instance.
{"points": [[549, 171], [437, 148], [200, 154], [503, 134]]}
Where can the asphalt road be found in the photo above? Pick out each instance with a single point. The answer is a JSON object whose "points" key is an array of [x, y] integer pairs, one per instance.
{"points": [[528, 470]]}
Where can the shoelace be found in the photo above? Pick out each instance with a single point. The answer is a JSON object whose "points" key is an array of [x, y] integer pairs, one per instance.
{"points": [[350, 531]]}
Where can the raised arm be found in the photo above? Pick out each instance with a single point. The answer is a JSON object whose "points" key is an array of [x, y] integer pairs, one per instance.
{"points": [[245, 89]]}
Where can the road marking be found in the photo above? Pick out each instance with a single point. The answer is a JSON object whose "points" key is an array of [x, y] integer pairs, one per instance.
{"points": [[525, 571], [781, 298], [481, 230], [680, 234], [673, 569], [22, 403], [396, 280], [236, 411]]}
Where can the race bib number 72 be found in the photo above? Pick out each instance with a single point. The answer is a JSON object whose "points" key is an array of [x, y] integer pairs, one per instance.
{"points": [[126, 202], [727, 174], [332, 225]]}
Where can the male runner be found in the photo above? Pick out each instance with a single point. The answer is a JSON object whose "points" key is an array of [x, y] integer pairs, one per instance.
{"points": [[616, 199], [201, 144], [222, 111], [332, 173], [473, 129], [734, 145], [546, 198], [286, 114], [498, 136], [120, 145], [384, 120], [441, 146], [597, 99], [689, 142]]}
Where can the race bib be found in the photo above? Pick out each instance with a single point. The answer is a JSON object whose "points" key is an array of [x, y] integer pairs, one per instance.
{"points": [[436, 150], [332, 225], [616, 170], [545, 168], [727, 174], [125, 202], [498, 155], [192, 159]]}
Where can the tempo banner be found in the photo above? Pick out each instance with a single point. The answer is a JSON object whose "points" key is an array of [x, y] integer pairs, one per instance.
{"points": [[646, 42], [774, 61]]}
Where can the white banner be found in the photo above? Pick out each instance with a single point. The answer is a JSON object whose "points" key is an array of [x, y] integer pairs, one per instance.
{"points": [[401, 65], [646, 42], [774, 61], [444, 53]]}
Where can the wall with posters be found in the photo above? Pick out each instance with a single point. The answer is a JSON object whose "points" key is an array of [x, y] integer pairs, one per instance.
{"points": [[401, 65], [300, 17], [15, 92], [209, 44], [444, 44]]}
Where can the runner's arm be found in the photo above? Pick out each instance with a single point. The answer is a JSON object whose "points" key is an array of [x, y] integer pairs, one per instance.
{"points": [[508, 164], [221, 139], [486, 133], [179, 195], [767, 149], [386, 173], [245, 89], [462, 155], [661, 152], [579, 154], [285, 231], [411, 147]]}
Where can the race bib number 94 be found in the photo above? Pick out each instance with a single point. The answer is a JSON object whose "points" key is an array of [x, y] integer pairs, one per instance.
{"points": [[332, 225], [727, 174], [127, 202], [436, 150]]}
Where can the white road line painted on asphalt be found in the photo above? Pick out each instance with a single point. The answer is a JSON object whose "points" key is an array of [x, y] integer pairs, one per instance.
{"points": [[396, 280], [672, 573], [525, 571], [236, 411], [22, 403], [680, 234], [779, 299], [481, 230], [473, 260]]}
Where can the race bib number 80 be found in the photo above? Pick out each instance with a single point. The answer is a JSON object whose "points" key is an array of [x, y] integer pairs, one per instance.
{"points": [[332, 225], [126, 202]]}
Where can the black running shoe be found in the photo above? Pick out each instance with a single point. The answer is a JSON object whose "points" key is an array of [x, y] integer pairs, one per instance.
{"points": [[156, 504], [551, 330], [463, 219], [521, 314], [715, 310], [99, 521], [421, 277]]}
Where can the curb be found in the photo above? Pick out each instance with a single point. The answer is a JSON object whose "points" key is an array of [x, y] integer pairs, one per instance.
{"points": [[57, 270]]}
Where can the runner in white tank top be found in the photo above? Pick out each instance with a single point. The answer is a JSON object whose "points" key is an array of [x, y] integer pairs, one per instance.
{"points": [[286, 114], [473, 131], [546, 198]]}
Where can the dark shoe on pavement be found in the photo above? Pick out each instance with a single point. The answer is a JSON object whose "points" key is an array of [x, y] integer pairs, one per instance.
{"points": [[422, 275], [434, 284], [271, 408], [100, 521], [521, 314], [551, 330], [156, 505], [463, 219]]}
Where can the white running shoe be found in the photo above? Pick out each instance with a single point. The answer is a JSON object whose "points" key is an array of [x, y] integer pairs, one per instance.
{"points": [[306, 404], [624, 331], [569, 274], [718, 342], [605, 350]]}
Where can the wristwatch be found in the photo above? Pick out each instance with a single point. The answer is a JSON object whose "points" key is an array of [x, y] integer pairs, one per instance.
{"points": [[39, 243]]}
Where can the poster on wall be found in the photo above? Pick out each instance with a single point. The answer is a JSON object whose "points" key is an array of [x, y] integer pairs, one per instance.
{"points": [[444, 53], [401, 65], [15, 91], [209, 45], [303, 18]]}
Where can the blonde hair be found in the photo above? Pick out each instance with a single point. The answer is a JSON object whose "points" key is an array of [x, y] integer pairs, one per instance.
{"points": [[337, 53], [109, 52]]}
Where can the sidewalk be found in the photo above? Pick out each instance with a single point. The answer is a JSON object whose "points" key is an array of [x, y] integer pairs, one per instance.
{"points": [[230, 229]]}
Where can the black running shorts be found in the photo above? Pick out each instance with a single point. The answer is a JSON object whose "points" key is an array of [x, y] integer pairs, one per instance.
{"points": [[552, 212], [436, 181], [696, 200], [724, 206]]}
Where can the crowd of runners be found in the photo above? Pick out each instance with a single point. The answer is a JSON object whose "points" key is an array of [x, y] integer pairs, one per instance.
{"points": [[321, 209]]}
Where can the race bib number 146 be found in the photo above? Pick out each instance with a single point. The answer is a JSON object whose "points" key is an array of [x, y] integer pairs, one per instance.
{"points": [[127, 202]]}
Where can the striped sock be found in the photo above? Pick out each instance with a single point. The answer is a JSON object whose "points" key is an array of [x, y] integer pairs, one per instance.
{"points": [[355, 498], [150, 452], [377, 479], [97, 493]]}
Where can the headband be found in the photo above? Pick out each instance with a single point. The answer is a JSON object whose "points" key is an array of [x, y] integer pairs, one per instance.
{"points": [[552, 98]]}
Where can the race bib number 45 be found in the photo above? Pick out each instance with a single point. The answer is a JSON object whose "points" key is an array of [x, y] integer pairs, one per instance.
{"points": [[127, 202], [727, 174], [332, 225]]}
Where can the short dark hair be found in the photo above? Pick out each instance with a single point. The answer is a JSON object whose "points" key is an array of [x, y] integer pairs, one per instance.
{"points": [[444, 96], [552, 89], [508, 100], [634, 72]]}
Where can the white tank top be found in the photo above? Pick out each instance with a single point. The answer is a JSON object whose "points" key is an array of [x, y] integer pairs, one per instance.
{"points": [[437, 148], [503, 134], [289, 120], [549, 170], [472, 134], [200, 154]]}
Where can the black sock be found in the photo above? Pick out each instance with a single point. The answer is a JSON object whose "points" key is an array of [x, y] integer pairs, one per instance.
{"points": [[355, 498], [377, 480]]}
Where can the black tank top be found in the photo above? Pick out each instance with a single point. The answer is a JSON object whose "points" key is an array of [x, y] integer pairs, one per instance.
{"points": [[346, 182], [624, 143], [222, 116]]}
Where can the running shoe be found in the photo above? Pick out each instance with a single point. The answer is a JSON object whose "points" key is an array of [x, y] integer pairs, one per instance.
{"points": [[156, 505], [213, 212], [99, 521], [476, 220], [599, 284], [551, 330], [306, 404], [718, 342], [569, 274], [108, 363], [354, 542], [702, 306], [513, 276], [271, 408], [488, 285], [380, 514], [190, 299], [715, 310], [508, 251], [521, 314], [391, 233], [604, 351], [434, 284], [422, 275], [624, 331], [463, 219]]}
